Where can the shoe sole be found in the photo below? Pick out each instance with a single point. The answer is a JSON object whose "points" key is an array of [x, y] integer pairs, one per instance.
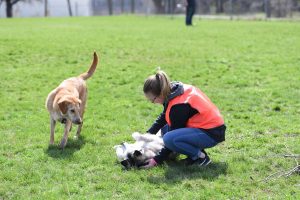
{"points": [[205, 163], [201, 164]]}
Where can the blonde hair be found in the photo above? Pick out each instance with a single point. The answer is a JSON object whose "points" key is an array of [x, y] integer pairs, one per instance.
{"points": [[158, 84]]}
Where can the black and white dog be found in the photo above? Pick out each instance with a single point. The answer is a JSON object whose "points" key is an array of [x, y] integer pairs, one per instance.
{"points": [[137, 154]]}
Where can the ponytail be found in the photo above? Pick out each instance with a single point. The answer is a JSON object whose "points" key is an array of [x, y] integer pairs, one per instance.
{"points": [[158, 84]]}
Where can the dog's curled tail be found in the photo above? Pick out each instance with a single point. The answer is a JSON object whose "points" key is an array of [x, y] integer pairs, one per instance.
{"points": [[92, 69]]}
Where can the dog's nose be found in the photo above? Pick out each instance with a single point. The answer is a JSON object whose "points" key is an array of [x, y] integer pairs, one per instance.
{"points": [[78, 121]]}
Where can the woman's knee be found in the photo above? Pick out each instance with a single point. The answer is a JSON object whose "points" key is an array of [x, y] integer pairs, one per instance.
{"points": [[168, 140]]}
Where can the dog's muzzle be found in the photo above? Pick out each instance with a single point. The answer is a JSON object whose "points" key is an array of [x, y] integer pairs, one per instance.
{"points": [[78, 121]]}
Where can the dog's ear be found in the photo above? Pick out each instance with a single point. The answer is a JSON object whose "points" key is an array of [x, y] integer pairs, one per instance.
{"points": [[63, 106]]}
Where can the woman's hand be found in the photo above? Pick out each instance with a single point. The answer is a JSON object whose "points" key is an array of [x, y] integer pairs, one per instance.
{"points": [[151, 163]]}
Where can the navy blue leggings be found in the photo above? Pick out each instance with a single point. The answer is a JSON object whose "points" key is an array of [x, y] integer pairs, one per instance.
{"points": [[187, 141]]}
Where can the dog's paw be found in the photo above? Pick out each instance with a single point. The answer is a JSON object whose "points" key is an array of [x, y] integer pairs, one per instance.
{"points": [[136, 135], [117, 146]]}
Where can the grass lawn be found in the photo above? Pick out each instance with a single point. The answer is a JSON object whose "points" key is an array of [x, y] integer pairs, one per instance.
{"points": [[249, 69]]}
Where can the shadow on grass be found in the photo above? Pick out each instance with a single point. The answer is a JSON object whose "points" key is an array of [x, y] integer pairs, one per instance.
{"points": [[177, 172], [73, 145]]}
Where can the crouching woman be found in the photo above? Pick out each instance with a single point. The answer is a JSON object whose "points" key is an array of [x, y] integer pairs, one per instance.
{"points": [[190, 122]]}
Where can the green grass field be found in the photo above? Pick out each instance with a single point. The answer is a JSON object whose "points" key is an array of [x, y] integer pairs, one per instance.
{"points": [[250, 70]]}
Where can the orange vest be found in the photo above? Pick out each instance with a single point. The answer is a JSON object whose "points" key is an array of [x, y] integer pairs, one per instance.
{"points": [[208, 115]]}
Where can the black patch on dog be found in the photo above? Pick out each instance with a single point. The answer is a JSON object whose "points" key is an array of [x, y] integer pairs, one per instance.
{"points": [[137, 153], [126, 164], [132, 162]]}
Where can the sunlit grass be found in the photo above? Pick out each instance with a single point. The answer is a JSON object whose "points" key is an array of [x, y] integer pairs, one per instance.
{"points": [[249, 69]]}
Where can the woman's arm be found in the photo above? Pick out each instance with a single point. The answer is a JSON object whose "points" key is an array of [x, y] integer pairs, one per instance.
{"points": [[158, 124]]}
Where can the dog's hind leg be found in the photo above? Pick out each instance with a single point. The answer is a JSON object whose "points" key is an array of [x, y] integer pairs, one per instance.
{"points": [[52, 129], [66, 134]]}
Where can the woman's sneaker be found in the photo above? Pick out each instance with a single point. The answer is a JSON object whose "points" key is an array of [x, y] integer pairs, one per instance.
{"points": [[200, 161]]}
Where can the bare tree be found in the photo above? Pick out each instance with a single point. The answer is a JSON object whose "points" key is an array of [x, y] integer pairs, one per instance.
{"points": [[9, 7], [267, 8], [159, 6], [110, 7], [69, 8], [10, 4], [132, 3], [46, 8], [220, 6], [122, 6]]}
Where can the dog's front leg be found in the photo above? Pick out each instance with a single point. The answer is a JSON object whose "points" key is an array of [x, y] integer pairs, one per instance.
{"points": [[64, 140], [78, 130], [82, 107], [52, 129]]}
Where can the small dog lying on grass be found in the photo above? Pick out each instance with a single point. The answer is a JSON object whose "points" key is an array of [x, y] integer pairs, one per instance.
{"points": [[66, 103], [138, 154]]}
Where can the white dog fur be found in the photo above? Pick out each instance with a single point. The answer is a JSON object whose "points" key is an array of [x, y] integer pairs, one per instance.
{"points": [[145, 147]]}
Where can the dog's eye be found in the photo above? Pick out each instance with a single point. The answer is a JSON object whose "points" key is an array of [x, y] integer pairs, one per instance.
{"points": [[72, 111]]}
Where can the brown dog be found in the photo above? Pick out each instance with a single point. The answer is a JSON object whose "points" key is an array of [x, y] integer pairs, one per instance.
{"points": [[66, 103]]}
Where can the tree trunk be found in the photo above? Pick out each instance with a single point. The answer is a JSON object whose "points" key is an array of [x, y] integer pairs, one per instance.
{"points": [[122, 6], [9, 9], [132, 6], [159, 6], [46, 8], [69, 8], [110, 7], [267, 8], [219, 6], [169, 6]]}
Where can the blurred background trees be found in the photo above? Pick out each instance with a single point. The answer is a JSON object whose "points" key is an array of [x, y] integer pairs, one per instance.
{"points": [[274, 8], [267, 8]]}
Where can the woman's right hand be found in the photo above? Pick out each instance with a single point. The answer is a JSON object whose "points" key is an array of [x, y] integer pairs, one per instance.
{"points": [[151, 163]]}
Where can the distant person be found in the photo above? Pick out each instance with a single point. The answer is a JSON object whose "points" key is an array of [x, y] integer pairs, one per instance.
{"points": [[189, 123], [190, 11]]}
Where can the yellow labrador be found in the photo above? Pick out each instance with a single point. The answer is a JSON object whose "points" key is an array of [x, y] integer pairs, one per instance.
{"points": [[66, 103]]}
